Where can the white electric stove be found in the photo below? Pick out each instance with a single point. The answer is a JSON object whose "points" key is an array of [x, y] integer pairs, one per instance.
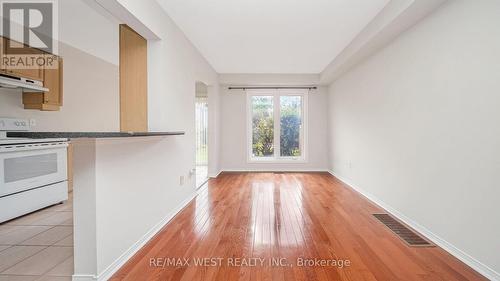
{"points": [[12, 141], [33, 172]]}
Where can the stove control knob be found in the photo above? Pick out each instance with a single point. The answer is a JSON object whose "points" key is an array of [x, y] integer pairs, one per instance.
{"points": [[20, 123]]}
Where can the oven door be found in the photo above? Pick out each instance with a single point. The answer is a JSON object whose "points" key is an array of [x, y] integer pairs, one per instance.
{"points": [[30, 166]]}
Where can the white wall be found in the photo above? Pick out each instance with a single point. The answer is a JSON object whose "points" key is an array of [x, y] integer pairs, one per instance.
{"points": [[269, 79], [144, 197], [214, 130], [234, 134], [174, 67], [89, 46], [416, 127], [85, 25]]}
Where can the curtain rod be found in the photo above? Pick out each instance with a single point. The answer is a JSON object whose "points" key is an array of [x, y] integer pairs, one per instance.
{"points": [[272, 88]]}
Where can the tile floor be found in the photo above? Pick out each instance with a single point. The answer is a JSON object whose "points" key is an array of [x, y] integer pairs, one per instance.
{"points": [[38, 246]]}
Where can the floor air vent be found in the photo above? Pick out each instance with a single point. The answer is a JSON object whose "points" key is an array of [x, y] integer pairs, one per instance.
{"points": [[409, 236]]}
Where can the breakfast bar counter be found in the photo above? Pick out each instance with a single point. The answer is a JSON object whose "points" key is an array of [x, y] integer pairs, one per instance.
{"points": [[94, 135]]}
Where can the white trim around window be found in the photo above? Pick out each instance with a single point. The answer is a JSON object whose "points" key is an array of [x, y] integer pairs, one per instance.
{"points": [[276, 94]]}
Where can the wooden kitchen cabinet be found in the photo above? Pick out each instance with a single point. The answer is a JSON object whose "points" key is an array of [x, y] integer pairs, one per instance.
{"points": [[51, 100], [35, 73], [52, 78], [133, 81]]}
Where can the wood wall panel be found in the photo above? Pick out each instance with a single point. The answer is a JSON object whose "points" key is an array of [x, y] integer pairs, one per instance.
{"points": [[133, 81]]}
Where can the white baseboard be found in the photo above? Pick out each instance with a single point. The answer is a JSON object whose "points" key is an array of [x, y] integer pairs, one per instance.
{"points": [[78, 277], [269, 170], [450, 248], [214, 175], [119, 262]]}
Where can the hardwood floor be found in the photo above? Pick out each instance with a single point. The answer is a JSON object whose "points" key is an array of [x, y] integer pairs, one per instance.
{"points": [[289, 216]]}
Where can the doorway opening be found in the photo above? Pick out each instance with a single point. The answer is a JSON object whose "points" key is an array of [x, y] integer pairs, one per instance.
{"points": [[201, 133]]}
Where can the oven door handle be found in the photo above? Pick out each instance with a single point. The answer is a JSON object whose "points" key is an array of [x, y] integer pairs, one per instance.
{"points": [[32, 146]]}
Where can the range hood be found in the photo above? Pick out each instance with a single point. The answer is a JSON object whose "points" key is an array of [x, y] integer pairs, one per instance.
{"points": [[25, 84]]}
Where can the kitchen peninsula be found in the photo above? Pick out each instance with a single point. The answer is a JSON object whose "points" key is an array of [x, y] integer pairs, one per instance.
{"points": [[126, 188], [73, 135]]}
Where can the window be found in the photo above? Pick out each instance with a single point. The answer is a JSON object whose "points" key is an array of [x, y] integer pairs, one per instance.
{"points": [[276, 125]]}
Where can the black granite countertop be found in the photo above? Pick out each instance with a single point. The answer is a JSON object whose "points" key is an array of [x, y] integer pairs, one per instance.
{"points": [[75, 135]]}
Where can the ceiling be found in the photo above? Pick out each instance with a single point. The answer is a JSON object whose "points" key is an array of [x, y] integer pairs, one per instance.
{"points": [[271, 36]]}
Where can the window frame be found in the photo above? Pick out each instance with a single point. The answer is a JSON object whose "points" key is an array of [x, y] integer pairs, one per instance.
{"points": [[276, 94]]}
